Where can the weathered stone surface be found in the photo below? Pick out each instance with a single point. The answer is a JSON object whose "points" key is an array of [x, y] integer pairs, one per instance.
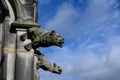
{"points": [[24, 67]]}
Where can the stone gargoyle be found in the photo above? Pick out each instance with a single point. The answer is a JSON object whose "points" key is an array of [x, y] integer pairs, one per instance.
{"points": [[45, 64], [42, 38]]}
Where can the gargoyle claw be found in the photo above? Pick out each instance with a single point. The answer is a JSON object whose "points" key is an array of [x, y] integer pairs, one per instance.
{"points": [[23, 37]]}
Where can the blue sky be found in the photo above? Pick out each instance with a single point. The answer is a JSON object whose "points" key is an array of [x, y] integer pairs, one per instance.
{"points": [[91, 29]]}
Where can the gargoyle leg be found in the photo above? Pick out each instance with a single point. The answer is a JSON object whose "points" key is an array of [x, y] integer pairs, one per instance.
{"points": [[23, 37], [34, 44], [28, 47]]}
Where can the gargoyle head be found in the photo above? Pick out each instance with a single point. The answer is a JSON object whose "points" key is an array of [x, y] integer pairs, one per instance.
{"points": [[56, 38], [43, 38]]}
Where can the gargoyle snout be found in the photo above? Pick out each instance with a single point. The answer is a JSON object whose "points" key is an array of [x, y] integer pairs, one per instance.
{"points": [[60, 43], [62, 40]]}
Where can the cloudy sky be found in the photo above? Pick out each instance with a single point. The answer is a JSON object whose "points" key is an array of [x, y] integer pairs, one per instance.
{"points": [[91, 29]]}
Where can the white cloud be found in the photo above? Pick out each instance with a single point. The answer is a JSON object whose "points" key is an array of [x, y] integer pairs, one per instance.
{"points": [[86, 66], [114, 57], [64, 20]]}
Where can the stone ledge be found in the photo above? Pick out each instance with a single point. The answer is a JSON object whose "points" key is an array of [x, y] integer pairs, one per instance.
{"points": [[22, 25]]}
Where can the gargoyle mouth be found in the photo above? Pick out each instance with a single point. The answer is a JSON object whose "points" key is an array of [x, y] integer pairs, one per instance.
{"points": [[60, 44]]}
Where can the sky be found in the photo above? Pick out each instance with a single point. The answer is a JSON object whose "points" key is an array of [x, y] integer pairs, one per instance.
{"points": [[91, 29]]}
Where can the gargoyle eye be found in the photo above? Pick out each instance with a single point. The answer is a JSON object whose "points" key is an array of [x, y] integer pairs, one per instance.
{"points": [[53, 31]]}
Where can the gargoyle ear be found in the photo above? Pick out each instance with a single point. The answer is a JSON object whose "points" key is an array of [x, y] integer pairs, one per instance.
{"points": [[52, 32]]}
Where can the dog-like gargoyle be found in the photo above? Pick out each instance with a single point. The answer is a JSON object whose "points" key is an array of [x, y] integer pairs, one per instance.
{"points": [[43, 38]]}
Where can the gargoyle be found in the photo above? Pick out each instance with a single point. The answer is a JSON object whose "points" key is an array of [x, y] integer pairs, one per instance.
{"points": [[45, 64], [42, 38]]}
